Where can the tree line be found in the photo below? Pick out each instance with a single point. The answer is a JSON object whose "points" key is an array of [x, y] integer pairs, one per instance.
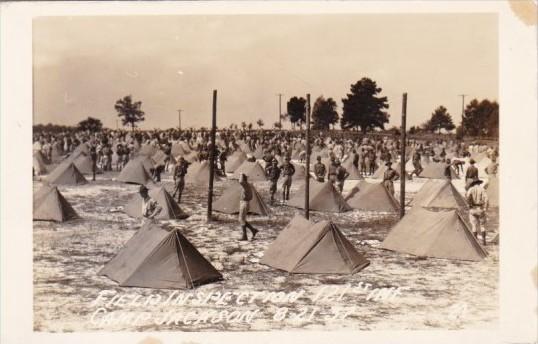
{"points": [[364, 109]]}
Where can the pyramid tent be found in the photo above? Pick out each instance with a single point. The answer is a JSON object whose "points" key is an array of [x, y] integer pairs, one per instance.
{"points": [[148, 150], [83, 163], [492, 190], [353, 171], [56, 154], [39, 163], [228, 202], [372, 197], [439, 193], [379, 173], [81, 148], [66, 174], [178, 150], [135, 172], [305, 247], [258, 152], [438, 234], [159, 158], [157, 258], [436, 170], [50, 205], [322, 197], [235, 160], [199, 175], [170, 208], [253, 170]]}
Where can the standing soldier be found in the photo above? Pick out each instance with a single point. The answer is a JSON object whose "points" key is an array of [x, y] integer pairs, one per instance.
{"points": [[320, 170], [223, 157], [471, 175], [244, 200], [93, 156], [448, 169], [180, 170], [288, 170], [272, 172], [478, 202], [332, 170], [389, 177], [341, 175], [416, 163]]}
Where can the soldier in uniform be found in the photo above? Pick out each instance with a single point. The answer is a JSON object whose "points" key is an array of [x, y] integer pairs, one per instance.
{"points": [[448, 169], [288, 170], [478, 202], [272, 172], [332, 170], [341, 175], [150, 207], [416, 164], [471, 175], [389, 177], [244, 200], [320, 170], [180, 170]]}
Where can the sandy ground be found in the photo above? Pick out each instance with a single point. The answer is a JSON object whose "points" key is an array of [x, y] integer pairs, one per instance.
{"points": [[434, 293]]}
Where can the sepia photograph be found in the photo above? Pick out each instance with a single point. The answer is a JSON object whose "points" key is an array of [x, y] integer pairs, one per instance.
{"points": [[206, 171], [333, 179]]}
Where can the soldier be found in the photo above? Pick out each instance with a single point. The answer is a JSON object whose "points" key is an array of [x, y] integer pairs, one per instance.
{"points": [[341, 175], [448, 169], [272, 172], [93, 156], [244, 200], [416, 163], [180, 170], [471, 175], [389, 177], [320, 170], [332, 170], [150, 207], [478, 202], [223, 157], [288, 170]]}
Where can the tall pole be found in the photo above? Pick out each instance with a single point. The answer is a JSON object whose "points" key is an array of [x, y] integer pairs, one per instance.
{"points": [[402, 157], [462, 113], [307, 176], [179, 118], [280, 110], [212, 158]]}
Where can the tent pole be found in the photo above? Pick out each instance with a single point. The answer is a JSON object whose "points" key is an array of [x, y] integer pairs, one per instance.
{"points": [[307, 176], [212, 158], [402, 157]]}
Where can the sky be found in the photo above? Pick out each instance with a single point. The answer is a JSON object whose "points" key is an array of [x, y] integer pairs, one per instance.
{"points": [[82, 65]]}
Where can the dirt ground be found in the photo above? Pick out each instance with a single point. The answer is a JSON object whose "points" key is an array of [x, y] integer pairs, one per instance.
{"points": [[434, 293]]}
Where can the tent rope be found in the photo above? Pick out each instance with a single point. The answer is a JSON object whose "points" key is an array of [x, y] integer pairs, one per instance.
{"points": [[184, 259]]}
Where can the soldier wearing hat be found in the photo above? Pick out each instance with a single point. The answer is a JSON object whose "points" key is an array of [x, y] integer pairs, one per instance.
{"points": [[332, 170], [389, 177], [478, 202], [179, 172], [471, 175], [244, 200], [288, 170], [341, 175], [320, 170], [150, 207], [272, 172]]}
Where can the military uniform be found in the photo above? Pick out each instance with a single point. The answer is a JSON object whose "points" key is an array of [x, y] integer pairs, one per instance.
{"points": [[288, 170], [180, 170], [341, 176], [478, 201], [273, 173], [389, 177], [319, 171]]}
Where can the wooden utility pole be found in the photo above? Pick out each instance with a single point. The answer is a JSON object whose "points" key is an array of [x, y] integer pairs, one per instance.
{"points": [[179, 118], [212, 158], [462, 113], [307, 176], [402, 157], [280, 110]]}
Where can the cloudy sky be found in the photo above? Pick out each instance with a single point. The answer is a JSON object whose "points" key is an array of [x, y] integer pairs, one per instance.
{"points": [[83, 65]]}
